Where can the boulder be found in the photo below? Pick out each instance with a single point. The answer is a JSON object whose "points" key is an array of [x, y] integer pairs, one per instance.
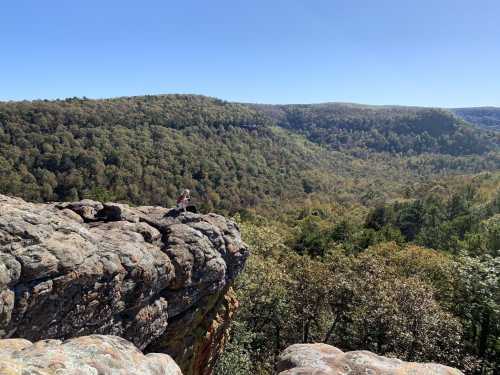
{"points": [[87, 355], [322, 359], [146, 274]]}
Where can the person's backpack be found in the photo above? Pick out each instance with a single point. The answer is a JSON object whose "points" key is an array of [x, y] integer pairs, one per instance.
{"points": [[192, 208]]}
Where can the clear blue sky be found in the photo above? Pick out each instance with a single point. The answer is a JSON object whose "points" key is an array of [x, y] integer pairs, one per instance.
{"points": [[412, 52]]}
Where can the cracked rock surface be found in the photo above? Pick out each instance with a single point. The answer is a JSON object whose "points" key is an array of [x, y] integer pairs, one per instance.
{"points": [[82, 268]]}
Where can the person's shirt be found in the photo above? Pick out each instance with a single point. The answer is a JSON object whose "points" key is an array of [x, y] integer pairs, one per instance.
{"points": [[182, 199]]}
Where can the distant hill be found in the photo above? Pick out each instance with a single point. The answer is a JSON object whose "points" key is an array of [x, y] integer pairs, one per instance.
{"points": [[485, 117], [394, 129], [233, 156]]}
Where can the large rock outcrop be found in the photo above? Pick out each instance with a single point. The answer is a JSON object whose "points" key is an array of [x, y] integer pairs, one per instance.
{"points": [[322, 359], [87, 355], [156, 278]]}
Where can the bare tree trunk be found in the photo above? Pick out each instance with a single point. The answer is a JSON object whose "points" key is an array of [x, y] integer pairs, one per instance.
{"points": [[485, 332], [331, 329], [305, 333], [277, 338]]}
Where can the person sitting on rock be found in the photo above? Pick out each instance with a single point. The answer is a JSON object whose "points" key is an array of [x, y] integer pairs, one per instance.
{"points": [[183, 200]]}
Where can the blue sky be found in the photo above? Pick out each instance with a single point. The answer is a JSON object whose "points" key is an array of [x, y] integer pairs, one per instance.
{"points": [[409, 52]]}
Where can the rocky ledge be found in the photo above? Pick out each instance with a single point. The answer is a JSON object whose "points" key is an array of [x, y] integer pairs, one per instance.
{"points": [[147, 274], [87, 355], [322, 359]]}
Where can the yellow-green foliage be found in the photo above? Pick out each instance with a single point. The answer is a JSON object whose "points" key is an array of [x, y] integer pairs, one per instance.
{"points": [[326, 274]]}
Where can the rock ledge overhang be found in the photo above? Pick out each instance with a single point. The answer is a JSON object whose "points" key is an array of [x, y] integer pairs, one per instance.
{"points": [[81, 268]]}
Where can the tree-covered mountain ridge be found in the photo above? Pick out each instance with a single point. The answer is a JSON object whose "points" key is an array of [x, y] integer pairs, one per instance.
{"points": [[394, 129], [484, 117], [234, 156]]}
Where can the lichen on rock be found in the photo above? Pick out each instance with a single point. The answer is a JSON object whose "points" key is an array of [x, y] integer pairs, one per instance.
{"points": [[86, 355], [322, 359]]}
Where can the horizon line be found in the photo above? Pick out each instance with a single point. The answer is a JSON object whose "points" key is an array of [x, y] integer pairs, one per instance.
{"points": [[341, 102]]}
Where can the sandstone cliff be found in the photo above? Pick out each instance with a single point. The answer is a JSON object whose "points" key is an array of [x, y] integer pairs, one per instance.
{"points": [[322, 359], [158, 279]]}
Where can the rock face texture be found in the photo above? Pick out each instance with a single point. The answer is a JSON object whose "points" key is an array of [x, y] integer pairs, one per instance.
{"points": [[154, 277], [322, 359], [87, 355]]}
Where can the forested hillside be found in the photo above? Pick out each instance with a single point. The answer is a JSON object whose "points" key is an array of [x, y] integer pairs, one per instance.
{"points": [[485, 117], [144, 149], [417, 278], [402, 130], [370, 227]]}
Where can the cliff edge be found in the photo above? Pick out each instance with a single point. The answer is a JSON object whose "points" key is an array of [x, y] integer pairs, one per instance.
{"points": [[146, 274]]}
